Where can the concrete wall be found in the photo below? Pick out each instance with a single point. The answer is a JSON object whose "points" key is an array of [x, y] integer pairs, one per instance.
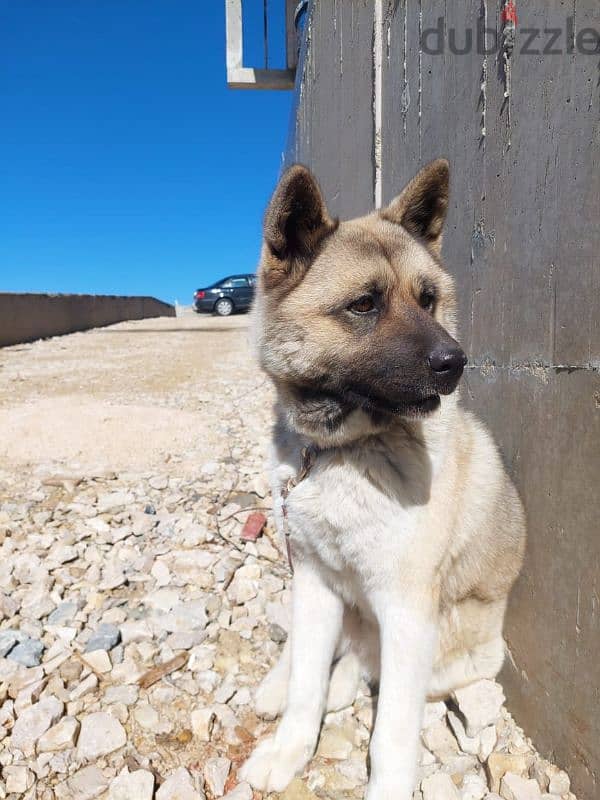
{"points": [[523, 242], [26, 317]]}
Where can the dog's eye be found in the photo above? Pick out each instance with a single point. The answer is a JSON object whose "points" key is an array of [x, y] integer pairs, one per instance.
{"points": [[363, 305], [427, 300]]}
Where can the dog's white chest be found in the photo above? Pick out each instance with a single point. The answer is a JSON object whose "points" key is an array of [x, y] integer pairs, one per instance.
{"points": [[354, 517]]}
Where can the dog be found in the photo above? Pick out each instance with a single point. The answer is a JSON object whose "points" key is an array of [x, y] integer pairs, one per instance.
{"points": [[405, 532]]}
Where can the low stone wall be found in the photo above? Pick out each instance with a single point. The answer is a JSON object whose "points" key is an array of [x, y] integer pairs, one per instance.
{"points": [[26, 317]]}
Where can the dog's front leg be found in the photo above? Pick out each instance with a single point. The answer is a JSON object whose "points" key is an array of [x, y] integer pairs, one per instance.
{"points": [[408, 638], [316, 624]]}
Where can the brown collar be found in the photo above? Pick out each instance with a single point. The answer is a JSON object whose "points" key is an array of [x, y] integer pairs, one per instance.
{"points": [[309, 455]]}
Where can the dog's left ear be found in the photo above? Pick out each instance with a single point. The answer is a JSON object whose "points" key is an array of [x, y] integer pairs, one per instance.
{"points": [[296, 223], [422, 206]]}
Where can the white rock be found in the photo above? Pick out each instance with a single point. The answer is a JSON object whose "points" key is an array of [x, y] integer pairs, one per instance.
{"points": [[114, 500], [242, 697], [61, 736], [8, 639], [334, 744], [279, 613], [113, 576], [216, 772], [185, 640], [18, 779], [468, 744], [439, 787], [244, 585], [86, 686], [160, 572], [146, 716], [98, 660], [127, 672], [479, 704], [499, 764], [474, 787], [189, 616], [243, 791], [202, 721], [225, 691], [433, 713], [438, 739], [127, 695], [559, 783], [178, 786], [513, 787], [135, 631], [159, 482], [86, 784], [210, 468], [260, 486], [354, 771], [100, 734], [163, 599], [35, 721], [28, 696], [488, 738], [138, 785]]}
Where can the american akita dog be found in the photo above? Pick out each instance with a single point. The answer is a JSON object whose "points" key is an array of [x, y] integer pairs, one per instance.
{"points": [[405, 531]]}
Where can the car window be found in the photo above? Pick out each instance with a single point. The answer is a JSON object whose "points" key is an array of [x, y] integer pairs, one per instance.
{"points": [[234, 283], [252, 280]]}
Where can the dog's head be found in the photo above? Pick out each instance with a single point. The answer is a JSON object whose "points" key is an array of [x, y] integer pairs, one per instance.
{"points": [[357, 316]]}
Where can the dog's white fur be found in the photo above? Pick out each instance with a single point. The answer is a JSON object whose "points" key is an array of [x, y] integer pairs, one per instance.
{"points": [[367, 558]]}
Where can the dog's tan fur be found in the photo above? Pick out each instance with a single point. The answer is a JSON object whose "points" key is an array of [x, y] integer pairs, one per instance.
{"points": [[408, 527]]}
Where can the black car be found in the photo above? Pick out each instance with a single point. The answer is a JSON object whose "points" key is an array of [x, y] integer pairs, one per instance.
{"points": [[234, 293]]}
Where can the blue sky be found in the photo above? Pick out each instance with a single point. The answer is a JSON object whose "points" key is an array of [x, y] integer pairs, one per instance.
{"points": [[126, 164]]}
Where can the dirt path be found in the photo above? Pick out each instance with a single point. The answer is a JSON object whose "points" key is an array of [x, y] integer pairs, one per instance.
{"points": [[130, 395]]}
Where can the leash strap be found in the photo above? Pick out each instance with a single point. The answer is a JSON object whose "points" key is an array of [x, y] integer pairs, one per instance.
{"points": [[309, 455]]}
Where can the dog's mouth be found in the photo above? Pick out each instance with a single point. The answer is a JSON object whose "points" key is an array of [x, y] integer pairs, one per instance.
{"points": [[326, 410], [408, 406]]}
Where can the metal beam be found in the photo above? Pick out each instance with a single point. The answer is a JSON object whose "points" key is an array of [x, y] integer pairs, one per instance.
{"points": [[250, 78], [233, 35], [240, 77]]}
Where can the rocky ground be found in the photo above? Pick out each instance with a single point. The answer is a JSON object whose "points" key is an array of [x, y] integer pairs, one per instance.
{"points": [[135, 620]]}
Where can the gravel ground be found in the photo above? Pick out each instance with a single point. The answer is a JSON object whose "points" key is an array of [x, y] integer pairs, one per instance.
{"points": [[135, 621]]}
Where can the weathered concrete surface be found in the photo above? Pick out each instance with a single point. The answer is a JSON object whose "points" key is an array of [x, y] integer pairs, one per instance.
{"points": [[522, 241], [332, 127], [27, 317]]}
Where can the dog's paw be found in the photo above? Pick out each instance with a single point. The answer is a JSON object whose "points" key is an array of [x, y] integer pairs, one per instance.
{"points": [[344, 683], [273, 765], [271, 696]]}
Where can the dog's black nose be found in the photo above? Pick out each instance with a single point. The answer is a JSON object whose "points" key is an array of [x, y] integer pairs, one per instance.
{"points": [[448, 363]]}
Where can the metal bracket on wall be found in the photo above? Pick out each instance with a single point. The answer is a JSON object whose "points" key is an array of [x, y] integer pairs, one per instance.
{"points": [[241, 77]]}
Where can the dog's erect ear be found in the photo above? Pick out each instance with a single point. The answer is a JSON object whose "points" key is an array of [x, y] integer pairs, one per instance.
{"points": [[421, 207], [296, 223]]}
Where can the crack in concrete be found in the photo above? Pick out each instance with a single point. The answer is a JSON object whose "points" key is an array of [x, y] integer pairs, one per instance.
{"points": [[533, 366]]}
